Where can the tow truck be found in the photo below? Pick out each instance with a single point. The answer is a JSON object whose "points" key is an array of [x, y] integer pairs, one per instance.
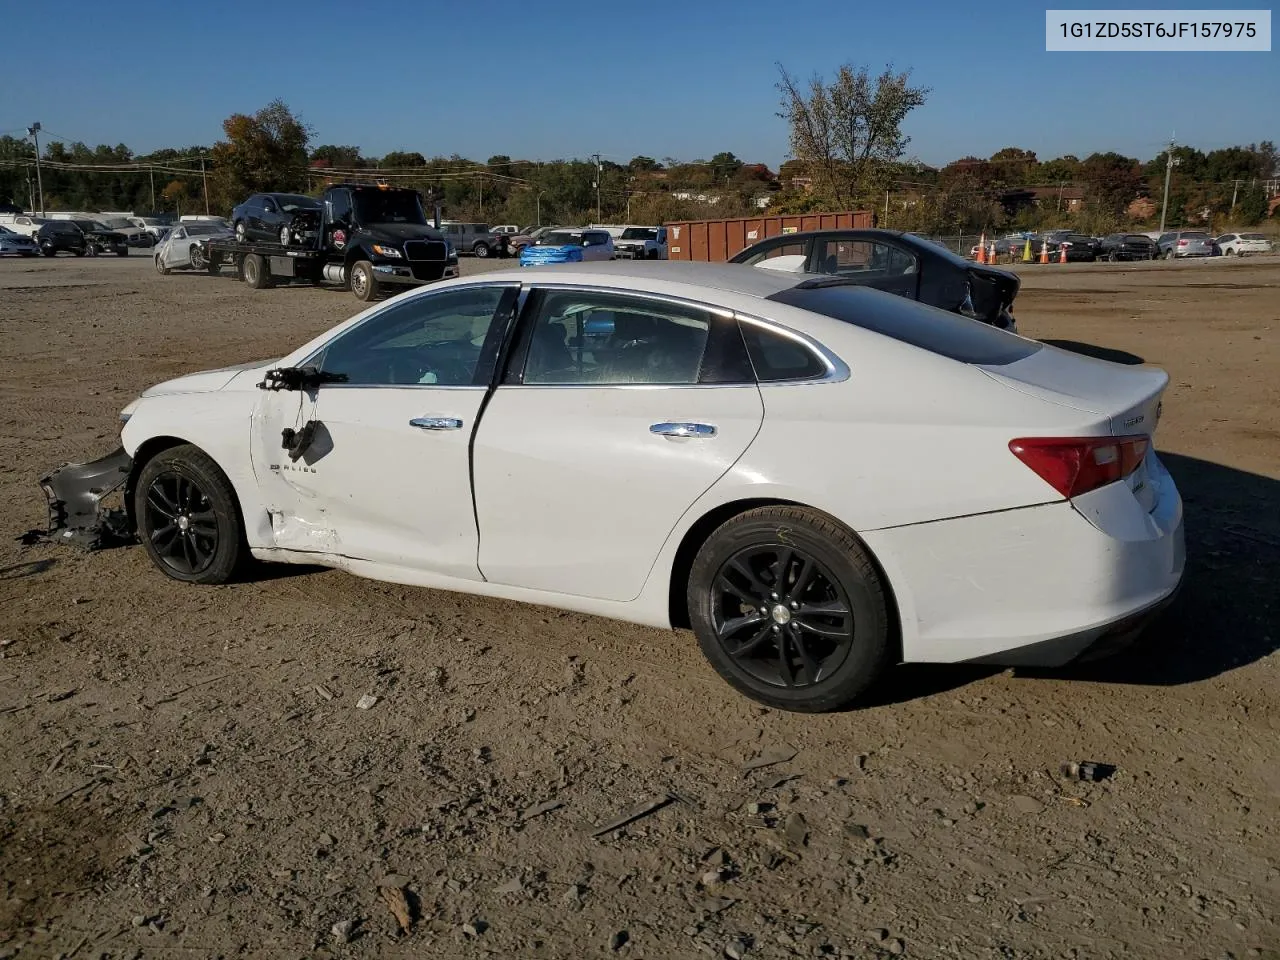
{"points": [[369, 238]]}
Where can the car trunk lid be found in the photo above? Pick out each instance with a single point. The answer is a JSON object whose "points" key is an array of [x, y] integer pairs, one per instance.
{"points": [[1127, 398]]}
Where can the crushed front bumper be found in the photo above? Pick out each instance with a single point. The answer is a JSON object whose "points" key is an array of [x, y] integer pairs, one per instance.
{"points": [[77, 514]]}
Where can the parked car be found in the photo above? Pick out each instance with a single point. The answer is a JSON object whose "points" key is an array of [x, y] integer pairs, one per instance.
{"points": [[1186, 243], [102, 239], [183, 248], [1240, 244], [510, 229], [474, 238], [16, 244], [270, 216], [1129, 246], [62, 236], [156, 226], [593, 245], [937, 491], [1081, 248], [641, 243], [22, 223], [900, 263], [517, 242], [134, 235]]}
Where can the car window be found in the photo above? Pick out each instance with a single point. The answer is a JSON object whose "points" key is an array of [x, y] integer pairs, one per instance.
{"points": [[781, 250], [600, 338], [861, 258], [929, 328], [1253, 236], [1164, 237], [1194, 235], [434, 340], [775, 356], [339, 202]]}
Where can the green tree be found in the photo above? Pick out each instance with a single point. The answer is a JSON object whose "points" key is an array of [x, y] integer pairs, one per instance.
{"points": [[1060, 170], [1017, 166], [848, 131], [1251, 206], [343, 157], [399, 158], [643, 165], [265, 151], [724, 166], [1111, 181]]}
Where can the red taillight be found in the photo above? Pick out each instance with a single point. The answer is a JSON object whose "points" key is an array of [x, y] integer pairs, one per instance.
{"points": [[1182, 243], [1076, 465]]}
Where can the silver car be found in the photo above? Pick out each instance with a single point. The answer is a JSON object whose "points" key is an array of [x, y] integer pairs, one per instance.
{"points": [[183, 248], [1185, 243]]}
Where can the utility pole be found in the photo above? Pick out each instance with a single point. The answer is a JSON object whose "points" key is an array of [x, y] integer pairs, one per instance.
{"points": [[886, 209], [1168, 173], [33, 132], [1235, 189], [204, 177], [152, 172], [596, 157], [482, 196]]}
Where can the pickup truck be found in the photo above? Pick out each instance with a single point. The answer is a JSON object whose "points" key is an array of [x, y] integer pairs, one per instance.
{"points": [[365, 237], [641, 243]]}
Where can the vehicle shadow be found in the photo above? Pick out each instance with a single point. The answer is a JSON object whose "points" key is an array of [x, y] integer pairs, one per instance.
{"points": [[1225, 615], [1097, 352], [30, 568]]}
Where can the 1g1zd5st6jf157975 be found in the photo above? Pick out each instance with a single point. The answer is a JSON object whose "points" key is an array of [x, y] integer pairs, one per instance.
{"points": [[820, 478]]}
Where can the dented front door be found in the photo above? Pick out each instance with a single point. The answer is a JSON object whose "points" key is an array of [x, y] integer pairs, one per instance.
{"points": [[382, 468]]}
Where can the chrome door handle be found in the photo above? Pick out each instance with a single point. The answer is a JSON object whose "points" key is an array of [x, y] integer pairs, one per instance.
{"points": [[683, 430], [436, 423]]}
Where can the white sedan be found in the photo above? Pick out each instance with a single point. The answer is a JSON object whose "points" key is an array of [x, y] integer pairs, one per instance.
{"points": [[1239, 244], [820, 478], [183, 248]]}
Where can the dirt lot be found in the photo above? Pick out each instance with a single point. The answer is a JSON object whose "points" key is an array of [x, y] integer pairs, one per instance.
{"points": [[185, 772]]}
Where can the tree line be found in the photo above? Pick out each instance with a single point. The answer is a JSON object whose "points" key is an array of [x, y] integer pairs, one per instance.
{"points": [[847, 151]]}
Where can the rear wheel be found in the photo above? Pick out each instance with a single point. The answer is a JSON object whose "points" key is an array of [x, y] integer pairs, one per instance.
{"points": [[1169, 254], [188, 519], [1239, 252], [363, 282], [480, 250], [789, 609], [255, 272]]}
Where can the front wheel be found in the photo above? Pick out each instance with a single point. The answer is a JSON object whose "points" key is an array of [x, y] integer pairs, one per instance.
{"points": [[48, 250], [1112, 257], [789, 609], [285, 236], [161, 268], [1169, 254], [363, 282], [480, 250], [196, 257], [188, 518], [241, 236]]}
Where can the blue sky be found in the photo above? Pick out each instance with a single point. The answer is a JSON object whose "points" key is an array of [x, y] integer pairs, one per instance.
{"points": [[541, 79]]}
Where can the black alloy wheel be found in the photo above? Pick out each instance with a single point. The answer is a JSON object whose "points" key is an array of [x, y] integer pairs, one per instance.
{"points": [[781, 615], [181, 524], [789, 608]]}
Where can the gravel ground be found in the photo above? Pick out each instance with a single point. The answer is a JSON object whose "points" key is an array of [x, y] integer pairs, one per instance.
{"points": [[187, 773]]}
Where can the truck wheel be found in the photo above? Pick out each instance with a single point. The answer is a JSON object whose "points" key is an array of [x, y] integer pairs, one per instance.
{"points": [[363, 283], [214, 264], [480, 250], [255, 272]]}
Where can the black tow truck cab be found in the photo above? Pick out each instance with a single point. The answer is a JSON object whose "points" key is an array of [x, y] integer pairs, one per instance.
{"points": [[365, 237]]}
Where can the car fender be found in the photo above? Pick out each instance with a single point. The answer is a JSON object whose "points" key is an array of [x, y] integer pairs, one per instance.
{"points": [[220, 424]]}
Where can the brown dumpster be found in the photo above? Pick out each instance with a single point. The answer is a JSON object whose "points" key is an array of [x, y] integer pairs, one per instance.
{"points": [[718, 240]]}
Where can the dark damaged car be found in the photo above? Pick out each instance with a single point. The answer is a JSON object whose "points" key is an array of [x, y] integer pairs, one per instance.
{"points": [[899, 263]]}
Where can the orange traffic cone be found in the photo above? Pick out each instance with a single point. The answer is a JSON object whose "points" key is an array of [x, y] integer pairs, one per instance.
{"points": [[982, 249], [1062, 253], [1044, 251]]}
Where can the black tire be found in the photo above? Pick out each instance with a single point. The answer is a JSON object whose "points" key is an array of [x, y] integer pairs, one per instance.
{"points": [[89, 251], [122, 253], [160, 267], [364, 284], [481, 250], [195, 257], [205, 541], [213, 263], [1169, 254], [255, 272], [48, 250], [827, 576], [1113, 257], [239, 229]]}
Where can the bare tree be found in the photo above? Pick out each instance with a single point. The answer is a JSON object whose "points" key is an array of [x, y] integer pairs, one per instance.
{"points": [[849, 131]]}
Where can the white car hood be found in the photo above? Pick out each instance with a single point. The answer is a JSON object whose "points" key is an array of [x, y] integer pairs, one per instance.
{"points": [[206, 381]]}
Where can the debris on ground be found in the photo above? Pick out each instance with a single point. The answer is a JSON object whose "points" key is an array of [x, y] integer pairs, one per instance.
{"points": [[770, 757], [633, 813], [367, 702], [1087, 770]]}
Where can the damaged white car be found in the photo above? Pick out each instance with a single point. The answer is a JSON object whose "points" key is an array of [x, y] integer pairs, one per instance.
{"points": [[184, 246], [821, 479]]}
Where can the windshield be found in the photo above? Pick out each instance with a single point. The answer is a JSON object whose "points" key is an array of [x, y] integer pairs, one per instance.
{"points": [[203, 229], [115, 223], [290, 203], [389, 206], [639, 233], [932, 329], [90, 225], [560, 240], [1137, 238]]}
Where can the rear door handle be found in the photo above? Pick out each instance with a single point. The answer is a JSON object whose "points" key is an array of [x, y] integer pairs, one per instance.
{"points": [[436, 423], [684, 430]]}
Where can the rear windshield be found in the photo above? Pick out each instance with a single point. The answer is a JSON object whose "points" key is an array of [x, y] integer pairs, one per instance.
{"points": [[1253, 236], [1193, 235], [946, 334]]}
